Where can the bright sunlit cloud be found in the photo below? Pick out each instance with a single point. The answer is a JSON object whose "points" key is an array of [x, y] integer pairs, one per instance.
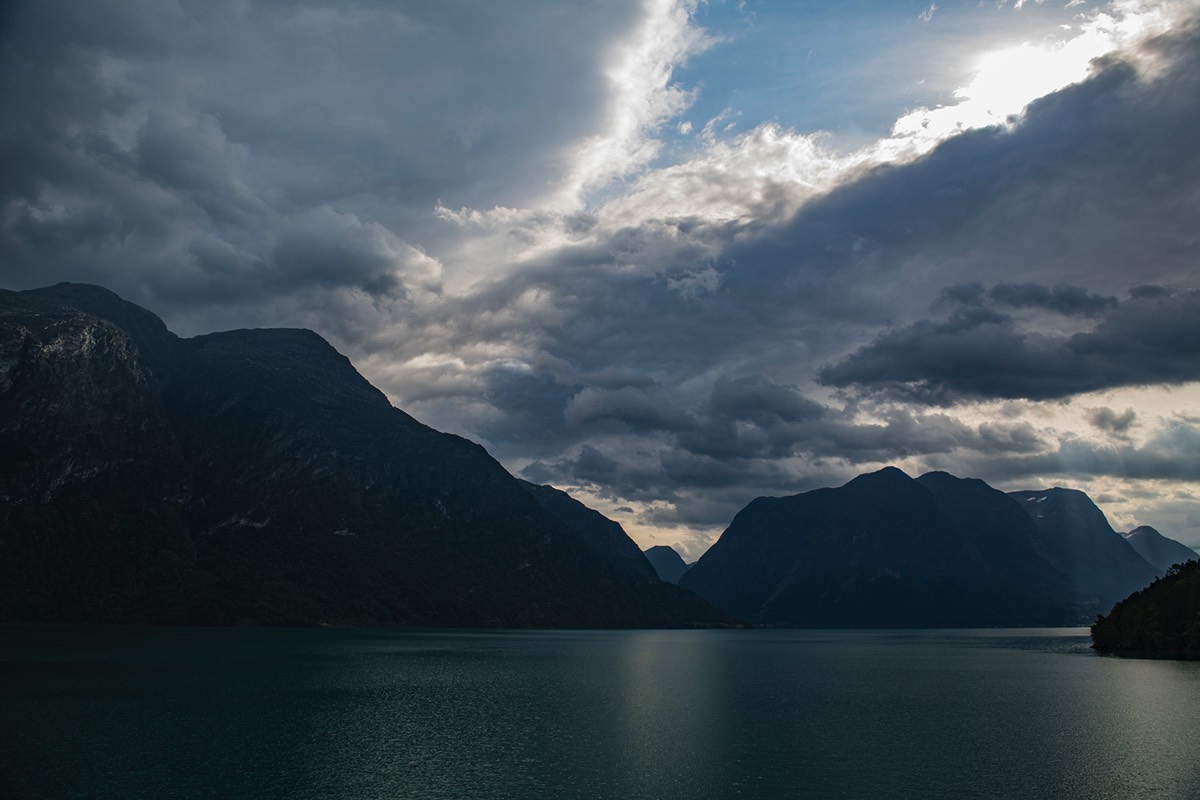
{"points": [[1008, 79], [642, 97], [767, 169]]}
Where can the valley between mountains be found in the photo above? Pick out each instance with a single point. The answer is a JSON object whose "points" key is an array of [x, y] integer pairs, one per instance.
{"points": [[254, 477]]}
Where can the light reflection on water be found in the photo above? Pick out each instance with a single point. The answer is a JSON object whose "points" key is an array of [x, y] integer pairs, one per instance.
{"points": [[154, 712]]}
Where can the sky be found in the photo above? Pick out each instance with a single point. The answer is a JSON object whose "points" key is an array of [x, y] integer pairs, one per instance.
{"points": [[668, 255]]}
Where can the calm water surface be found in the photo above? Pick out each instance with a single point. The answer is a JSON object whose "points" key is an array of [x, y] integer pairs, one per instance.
{"points": [[99, 712]]}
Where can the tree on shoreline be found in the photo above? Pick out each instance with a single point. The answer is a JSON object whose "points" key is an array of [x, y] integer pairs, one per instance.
{"points": [[1161, 620]]}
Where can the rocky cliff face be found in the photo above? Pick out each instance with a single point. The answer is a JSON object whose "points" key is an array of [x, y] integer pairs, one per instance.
{"points": [[256, 477]]}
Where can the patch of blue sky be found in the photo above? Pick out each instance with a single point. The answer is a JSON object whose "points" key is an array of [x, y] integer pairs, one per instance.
{"points": [[849, 68]]}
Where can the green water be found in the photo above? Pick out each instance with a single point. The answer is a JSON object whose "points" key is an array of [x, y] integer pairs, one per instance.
{"points": [[238, 713]]}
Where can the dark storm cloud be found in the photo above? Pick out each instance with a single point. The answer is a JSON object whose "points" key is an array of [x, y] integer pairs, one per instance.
{"points": [[1110, 421], [637, 410], [966, 294], [758, 400], [610, 378], [179, 151], [193, 159], [754, 419], [1149, 292], [1063, 299], [610, 474], [978, 353]]}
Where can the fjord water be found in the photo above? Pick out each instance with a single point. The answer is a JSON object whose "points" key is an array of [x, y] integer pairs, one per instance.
{"points": [[101, 712]]}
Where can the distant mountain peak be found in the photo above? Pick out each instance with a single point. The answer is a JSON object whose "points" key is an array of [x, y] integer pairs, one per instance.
{"points": [[1161, 551], [887, 475], [667, 562]]}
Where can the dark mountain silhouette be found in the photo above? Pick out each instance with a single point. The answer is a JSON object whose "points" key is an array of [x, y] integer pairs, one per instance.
{"points": [[1004, 540], [886, 550], [1162, 620], [255, 477], [602, 533], [667, 563], [1076, 538], [876, 552], [1162, 552]]}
